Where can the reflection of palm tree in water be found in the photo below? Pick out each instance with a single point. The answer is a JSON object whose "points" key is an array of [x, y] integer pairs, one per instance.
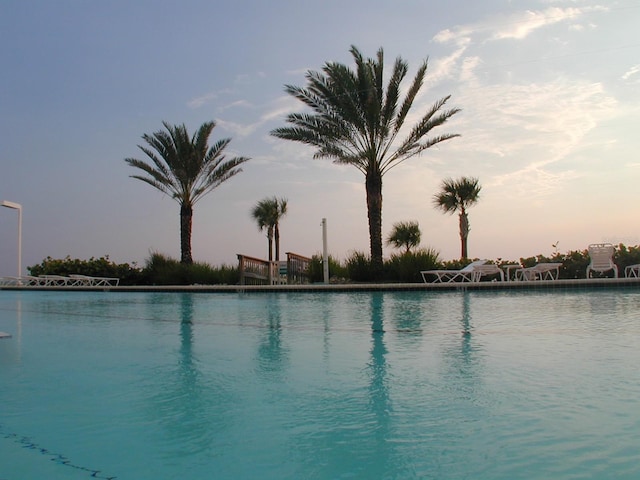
{"points": [[465, 322], [182, 402], [189, 406], [187, 369], [271, 354], [379, 400], [465, 369]]}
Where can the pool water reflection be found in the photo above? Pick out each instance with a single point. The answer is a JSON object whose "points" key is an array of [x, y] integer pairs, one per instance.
{"points": [[482, 385]]}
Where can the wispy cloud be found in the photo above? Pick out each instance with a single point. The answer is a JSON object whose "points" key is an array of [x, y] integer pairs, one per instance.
{"points": [[277, 109], [236, 104], [631, 73], [242, 79], [516, 26], [202, 100], [523, 24], [299, 71], [529, 131], [443, 68], [524, 132]]}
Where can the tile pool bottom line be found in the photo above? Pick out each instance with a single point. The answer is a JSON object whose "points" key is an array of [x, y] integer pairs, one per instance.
{"points": [[353, 287]]}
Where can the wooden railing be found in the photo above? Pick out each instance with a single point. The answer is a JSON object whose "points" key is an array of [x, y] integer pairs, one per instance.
{"points": [[297, 269], [255, 271]]}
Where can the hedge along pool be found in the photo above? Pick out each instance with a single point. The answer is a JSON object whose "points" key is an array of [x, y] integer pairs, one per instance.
{"points": [[393, 385]]}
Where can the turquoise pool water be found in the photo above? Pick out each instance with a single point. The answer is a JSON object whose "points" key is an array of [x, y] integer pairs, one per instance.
{"points": [[384, 385]]}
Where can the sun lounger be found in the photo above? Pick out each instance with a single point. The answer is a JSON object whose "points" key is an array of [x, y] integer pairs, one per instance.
{"points": [[541, 271], [105, 282], [23, 281], [80, 280], [59, 281], [487, 270], [53, 280], [471, 273], [88, 281], [632, 271]]}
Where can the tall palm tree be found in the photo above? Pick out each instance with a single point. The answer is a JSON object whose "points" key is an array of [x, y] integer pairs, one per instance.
{"points": [[356, 121], [458, 195], [405, 234], [186, 169], [267, 213]]}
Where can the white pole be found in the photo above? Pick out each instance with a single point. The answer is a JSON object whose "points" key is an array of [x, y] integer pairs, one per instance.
{"points": [[325, 255], [20, 242], [17, 206]]}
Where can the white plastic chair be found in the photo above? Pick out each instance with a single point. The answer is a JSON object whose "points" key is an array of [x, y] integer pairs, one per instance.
{"points": [[601, 255]]}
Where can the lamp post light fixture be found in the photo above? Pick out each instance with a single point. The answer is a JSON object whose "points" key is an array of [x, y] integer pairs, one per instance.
{"points": [[17, 206]]}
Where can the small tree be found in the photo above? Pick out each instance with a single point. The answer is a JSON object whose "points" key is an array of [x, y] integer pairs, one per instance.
{"points": [[185, 168], [267, 213], [458, 195], [404, 235]]}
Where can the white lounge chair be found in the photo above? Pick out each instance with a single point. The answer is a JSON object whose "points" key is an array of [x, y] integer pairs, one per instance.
{"points": [[601, 255], [54, 280], [486, 270], [80, 280], [88, 281], [471, 273], [106, 281], [632, 271], [541, 271], [29, 281]]}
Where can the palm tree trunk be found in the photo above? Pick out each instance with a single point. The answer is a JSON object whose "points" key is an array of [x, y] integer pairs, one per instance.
{"points": [[276, 235], [270, 237], [464, 233], [186, 216], [373, 185]]}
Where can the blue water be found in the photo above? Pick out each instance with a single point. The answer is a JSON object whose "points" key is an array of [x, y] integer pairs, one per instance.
{"points": [[384, 385]]}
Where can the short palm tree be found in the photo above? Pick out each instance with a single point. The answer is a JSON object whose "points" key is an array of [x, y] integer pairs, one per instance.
{"points": [[356, 121], [185, 168], [268, 213], [458, 195], [405, 235]]}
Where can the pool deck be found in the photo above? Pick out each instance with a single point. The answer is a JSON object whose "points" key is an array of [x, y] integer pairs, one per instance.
{"points": [[352, 287]]}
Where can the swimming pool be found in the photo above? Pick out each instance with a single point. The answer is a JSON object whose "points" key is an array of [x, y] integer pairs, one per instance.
{"points": [[364, 385]]}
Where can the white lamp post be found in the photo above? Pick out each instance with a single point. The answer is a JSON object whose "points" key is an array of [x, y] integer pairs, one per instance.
{"points": [[325, 254], [17, 206]]}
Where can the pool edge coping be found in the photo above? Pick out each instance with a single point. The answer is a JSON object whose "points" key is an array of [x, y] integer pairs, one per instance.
{"points": [[347, 287]]}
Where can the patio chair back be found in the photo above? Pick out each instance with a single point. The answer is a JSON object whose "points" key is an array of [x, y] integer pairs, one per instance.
{"points": [[601, 255]]}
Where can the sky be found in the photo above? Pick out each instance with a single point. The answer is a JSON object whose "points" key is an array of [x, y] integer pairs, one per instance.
{"points": [[549, 92]]}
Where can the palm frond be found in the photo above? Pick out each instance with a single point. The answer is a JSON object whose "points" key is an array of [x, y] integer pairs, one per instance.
{"points": [[457, 194], [185, 167]]}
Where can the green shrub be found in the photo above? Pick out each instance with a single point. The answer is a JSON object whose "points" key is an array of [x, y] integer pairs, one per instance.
{"points": [[406, 267], [359, 267], [337, 272], [163, 270], [94, 267], [574, 264], [626, 256]]}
